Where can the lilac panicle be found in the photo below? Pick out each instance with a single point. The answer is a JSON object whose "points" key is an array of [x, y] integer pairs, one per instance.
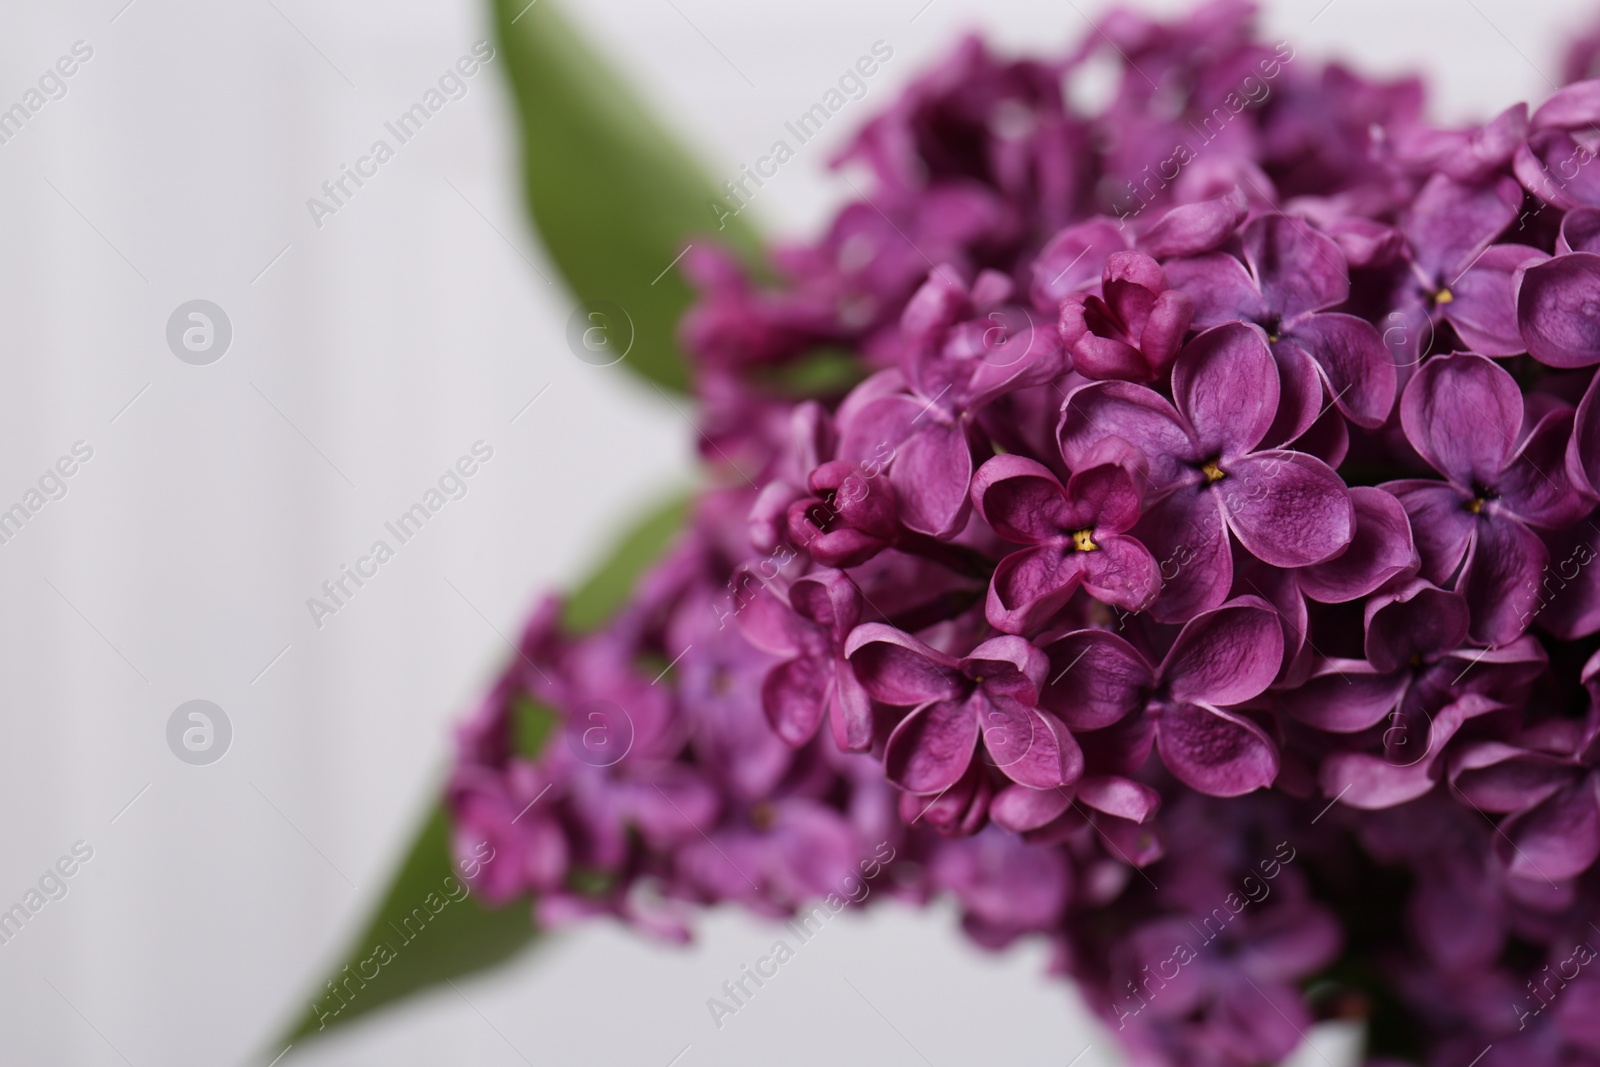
{"points": [[1199, 574]]}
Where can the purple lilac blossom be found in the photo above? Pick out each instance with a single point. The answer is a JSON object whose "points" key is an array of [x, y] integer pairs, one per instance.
{"points": [[1199, 577]]}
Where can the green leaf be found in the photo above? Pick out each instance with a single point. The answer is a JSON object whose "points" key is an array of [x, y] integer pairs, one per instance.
{"points": [[614, 197], [597, 599], [532, 723], [409, 946], [465, 936]]}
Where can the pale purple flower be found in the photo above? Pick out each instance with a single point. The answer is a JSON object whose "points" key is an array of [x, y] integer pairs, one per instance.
{"points": [[809, 625], [1185, 706], [1078, 534], [989, 696], [1290, 278], [1464, 415], [1207, 471]]}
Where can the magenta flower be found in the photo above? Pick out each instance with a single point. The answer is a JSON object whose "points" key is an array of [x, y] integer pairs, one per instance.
{"points": [[1419, 683], [1185, 706], [1123, 629], [1235, 984], [1078, 539], [990, 695], [1285, 508], [1290, 278], [848, 520], [814, 682], [1134, 331], [1004, 887], [1547, 780], [1464, 416], [961, 350], [782, 853], [1553, 162], [1459, 276]]}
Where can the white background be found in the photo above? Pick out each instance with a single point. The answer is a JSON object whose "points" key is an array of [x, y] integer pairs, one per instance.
{"points": [[367, 357]]}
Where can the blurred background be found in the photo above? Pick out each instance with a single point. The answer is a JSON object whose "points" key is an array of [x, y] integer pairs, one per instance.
{"points": [[345, 361]]}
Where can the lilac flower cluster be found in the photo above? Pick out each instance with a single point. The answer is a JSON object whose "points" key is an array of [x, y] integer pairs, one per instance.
{"points": [[1216, 496]]}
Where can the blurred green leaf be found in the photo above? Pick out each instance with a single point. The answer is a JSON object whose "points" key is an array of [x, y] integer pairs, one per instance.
{"points": [[465, 936], [615, 198], [421, 946], [532, 723], [597, 599]]}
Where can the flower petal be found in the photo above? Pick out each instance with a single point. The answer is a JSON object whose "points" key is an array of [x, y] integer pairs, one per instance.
{"points": [[1380, 550], [931, 475], [849, 710], [1190, 229], [1416, 623], [1187, 537], [1225, 656], [896, 668], [1021, 500], [1122, 572], [1142, 417], [1463, 413], [1020, 808], [1225, 383], [1220, 286], [1214, 751], [1287, 508], [830, 600], [1072, 260], [1450, 222], [1558, 310], [1300, 269], [1535, 486], [1483, 308], [1357, 366], [1122, 797], [1441, 525], [1583, 451], [1345, 697], [1030, 586], [1029, 747], [794, 695], [932, 746], [1008, 664], [1096, 679], [1559, 838], [1501, 579]]}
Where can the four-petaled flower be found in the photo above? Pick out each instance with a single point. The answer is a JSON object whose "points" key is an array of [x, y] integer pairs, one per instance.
{"points": [[1285, 508], [1077, 534], [990, 695]]}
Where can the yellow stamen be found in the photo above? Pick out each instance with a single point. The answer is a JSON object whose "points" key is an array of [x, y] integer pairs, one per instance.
{"points": [[1475, 505], [1213, 473], [1083, 540], [1443, 296]]}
